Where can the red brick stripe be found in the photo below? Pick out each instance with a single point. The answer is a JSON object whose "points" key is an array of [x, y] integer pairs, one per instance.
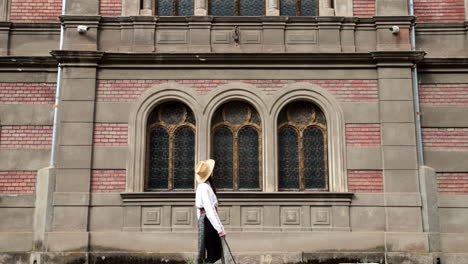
{"points": [[108, 181], [445, 138], [440, 10], [110, 134], [344, 90], [444, 94], [35, 10], [363, 135], [110, 7], [455, 183], [365, 181], [17, 182], [27, 93], [364, 8], [30, 137]]}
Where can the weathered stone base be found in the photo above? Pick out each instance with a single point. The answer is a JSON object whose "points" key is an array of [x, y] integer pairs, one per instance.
{"points": [[250, 258]]}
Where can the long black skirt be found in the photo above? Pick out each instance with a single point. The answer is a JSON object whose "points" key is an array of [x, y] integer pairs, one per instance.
{"points": [[209, 242]]}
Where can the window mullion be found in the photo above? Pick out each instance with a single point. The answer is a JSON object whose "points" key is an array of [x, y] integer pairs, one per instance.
{"points": [[236, 7], [174, 7], [235, 157], [171, 159], [301, 159], [298, 7]]}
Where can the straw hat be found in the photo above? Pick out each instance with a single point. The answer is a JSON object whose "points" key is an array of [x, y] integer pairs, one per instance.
{"points": [[203, 170]]}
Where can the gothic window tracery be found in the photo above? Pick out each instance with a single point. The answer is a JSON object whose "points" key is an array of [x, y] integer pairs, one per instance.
{"points": [[236, 147], [171, 148], [302, 147]]}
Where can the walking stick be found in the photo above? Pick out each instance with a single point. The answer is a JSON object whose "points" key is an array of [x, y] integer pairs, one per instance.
{"points": [[227, 255]]}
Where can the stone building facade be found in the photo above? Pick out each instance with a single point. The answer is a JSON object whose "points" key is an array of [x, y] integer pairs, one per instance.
{"points": [[339, 128]]}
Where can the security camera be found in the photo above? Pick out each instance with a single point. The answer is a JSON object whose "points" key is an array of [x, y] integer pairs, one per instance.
{"points": [[82, 29], [395, 29]]}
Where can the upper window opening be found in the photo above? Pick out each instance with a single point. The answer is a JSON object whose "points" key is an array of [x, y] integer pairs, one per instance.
{"points": [[302, 145], [236, 147], [236, 7], [174, 7], [298, 7], [171, 148]]}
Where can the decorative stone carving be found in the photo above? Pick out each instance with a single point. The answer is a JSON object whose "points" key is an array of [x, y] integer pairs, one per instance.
{"points": [[152, 216]]}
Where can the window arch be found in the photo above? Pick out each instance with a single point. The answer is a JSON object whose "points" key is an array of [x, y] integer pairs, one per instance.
{"points": [[237, 147], [171, 148], [302, 147]]}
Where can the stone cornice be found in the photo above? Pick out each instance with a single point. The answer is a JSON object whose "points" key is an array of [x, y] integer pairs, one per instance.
{"points": [[77, 57], [443, 63], [226, 197], [28, 61], [398, 56]]}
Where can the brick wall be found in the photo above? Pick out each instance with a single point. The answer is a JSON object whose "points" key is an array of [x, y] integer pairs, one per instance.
{"points": [[439, 10], [444, 94], [110, 134], [110, 7], [17, 182], [35, 10], [454, 183], [364, 8], [108, 181], [362, 135], [344, 90], [27, 93], [445, 138], [365, 181], [30, 137]]}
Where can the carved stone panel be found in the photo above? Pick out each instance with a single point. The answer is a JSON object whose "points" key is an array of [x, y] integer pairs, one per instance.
{"points": [[294, 37], [222, 37], [252, 216], [152, 216], [321, 216], [172, 37], [224, 214], [182, 216], [251, 37], [291, 216]]}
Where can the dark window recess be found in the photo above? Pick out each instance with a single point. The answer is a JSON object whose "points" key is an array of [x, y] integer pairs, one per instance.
{"points": [[236, 7], [236, 147], [171, 148], [302, 148], [174, 7], [298, 7]]}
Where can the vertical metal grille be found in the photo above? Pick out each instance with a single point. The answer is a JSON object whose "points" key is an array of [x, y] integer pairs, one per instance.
{"points": [[237, 147], [302, 148], [184, 158], [248, 158], [314, 159], [223, 155], [159, 157], [171, 148], [185, 7], [288, 158], [308, 8], [165, 8], [251, 7], [222, 8], [288, 7]]}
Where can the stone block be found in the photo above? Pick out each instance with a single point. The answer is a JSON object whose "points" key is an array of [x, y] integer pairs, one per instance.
{"points": [[400, 157], [67, 241], [444, 116], [367, 219], [77, 111], [78, 89], [107, 112], [74, 157], [404, 219], [82, 7], [394, 72], [361, 112], [70, 219], [364, 158], [447, 161], [26, 114], [73, 180], [401, 181], [391, 8], [398, 134], [105, 219], [395, 89], [24, 159], [396, 111], [76, 134], [16, 219], [109, 157], [16, 241], [453, 220]]}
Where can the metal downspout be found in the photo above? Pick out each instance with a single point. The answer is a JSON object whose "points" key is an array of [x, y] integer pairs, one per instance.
{"points": [[57, 92], [414, 75]]}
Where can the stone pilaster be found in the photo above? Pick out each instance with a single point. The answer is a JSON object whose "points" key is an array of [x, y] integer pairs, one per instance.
{"points": [[200, 36], [201, 8], [272, 8], [273, 36], [144, 29], [69, 230], [329, 34], [388, 41], [87, 40]]}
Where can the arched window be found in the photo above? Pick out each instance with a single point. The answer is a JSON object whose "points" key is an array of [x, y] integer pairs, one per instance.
{"points": [[171, 148], [302, 146], [236, 147], [298, 7], [236, 7], [174, 7]]}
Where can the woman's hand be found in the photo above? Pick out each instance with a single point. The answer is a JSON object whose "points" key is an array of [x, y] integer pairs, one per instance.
{"points": [[222, 234]]}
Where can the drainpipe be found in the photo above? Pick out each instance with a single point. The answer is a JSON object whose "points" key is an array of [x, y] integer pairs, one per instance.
{"points": [[57, 93], [414, 72]]}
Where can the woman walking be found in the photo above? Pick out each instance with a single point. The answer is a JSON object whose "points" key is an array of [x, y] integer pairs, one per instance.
{"points": [[210, 228]]}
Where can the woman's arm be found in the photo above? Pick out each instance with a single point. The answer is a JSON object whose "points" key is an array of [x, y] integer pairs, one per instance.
{"points": [[211, 213]]}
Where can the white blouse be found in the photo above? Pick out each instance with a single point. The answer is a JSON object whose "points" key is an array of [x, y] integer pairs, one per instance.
{"points": [[206, 199]]}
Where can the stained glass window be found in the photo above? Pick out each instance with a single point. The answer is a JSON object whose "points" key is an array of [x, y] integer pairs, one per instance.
{"points": [[236, 147], [298, 7], [165, 8], [251, 7], [185, 8], [302, 148], [222, 7], [171, 148]]}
